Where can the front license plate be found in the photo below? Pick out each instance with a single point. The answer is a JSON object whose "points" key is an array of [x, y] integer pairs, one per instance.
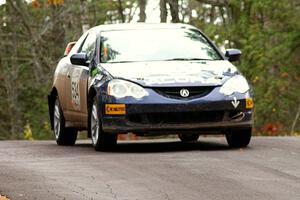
{"points": [[115, 109]]}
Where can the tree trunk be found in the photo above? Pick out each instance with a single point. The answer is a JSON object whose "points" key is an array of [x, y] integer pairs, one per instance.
{"points": [[212, 14], [83, 12], [295, 119], [142, 15], [120, 10], [163, 10], [174, 9]]}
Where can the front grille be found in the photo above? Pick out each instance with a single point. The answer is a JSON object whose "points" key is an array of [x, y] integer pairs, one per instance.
{"points": [[193, 91], [177, 118]]}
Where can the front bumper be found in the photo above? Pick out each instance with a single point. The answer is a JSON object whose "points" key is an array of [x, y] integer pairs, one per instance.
{"points": [[122, 125], [157, 114]]}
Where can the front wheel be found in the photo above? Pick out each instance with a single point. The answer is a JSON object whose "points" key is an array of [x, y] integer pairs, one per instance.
{"points": [[64, 136], [100, 139], [239, 138]]}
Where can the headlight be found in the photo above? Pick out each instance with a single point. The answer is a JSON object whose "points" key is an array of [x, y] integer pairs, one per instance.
{"points": [[235, 84], [120, 89]]}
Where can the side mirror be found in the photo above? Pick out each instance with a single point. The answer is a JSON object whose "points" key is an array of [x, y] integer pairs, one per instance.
{"points": [[69, 48], [233, 54], [79, 59]]}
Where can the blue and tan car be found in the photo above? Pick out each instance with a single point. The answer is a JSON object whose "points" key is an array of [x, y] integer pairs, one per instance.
{"points": [[149, 79]]}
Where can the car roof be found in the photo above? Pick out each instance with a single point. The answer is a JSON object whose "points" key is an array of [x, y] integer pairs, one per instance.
{"points": [[137, 26]]}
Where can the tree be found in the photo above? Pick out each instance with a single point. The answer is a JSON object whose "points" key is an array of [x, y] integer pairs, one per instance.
{"points": [[174, 9], [142, 14], [163, 10]]}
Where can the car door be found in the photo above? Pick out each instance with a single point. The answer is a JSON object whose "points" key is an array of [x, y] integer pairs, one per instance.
{"points": [[63, 84], [76, 86]]}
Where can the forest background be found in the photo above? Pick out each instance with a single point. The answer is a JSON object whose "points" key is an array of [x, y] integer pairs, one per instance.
{"points": [[34, 34]]}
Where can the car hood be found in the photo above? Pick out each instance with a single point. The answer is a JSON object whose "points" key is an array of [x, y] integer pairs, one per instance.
{"points": [[173, 73]]}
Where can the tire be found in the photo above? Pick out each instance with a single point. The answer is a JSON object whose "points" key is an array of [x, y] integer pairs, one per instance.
{"points": [[101, 140], [64, 136], [239, 138], [188, 137]]}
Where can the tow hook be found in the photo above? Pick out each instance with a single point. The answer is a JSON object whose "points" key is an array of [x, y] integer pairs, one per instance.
{"points": [[238, 117]]}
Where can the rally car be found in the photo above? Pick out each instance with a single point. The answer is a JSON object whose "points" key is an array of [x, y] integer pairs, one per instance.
{"points": [[149, 79]]}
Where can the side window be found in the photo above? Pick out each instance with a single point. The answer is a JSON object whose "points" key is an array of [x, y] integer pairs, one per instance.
{"points": [[88, 46]]}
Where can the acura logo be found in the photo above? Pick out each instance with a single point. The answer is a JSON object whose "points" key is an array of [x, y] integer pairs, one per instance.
{"points": [[184, 93]]}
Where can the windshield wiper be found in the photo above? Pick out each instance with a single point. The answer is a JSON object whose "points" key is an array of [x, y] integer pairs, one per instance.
{"points": [[186, 59]]}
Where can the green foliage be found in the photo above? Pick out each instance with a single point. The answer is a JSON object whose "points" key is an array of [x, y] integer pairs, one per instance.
{"points": [[33, 38], [267, 32]]}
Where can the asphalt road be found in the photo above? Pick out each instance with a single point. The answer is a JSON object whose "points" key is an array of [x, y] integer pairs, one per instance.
{"points": [[156, 169]]}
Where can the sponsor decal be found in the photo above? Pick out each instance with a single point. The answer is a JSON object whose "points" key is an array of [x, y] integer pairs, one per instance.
{"points": [[165, 79], [94, 72], [152, 73], [115, 109], [235, 102]]}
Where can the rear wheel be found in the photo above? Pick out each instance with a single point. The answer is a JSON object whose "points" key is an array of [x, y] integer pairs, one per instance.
{"points": [[63, 135], [239, 138], [188, 138], [100, 139]]}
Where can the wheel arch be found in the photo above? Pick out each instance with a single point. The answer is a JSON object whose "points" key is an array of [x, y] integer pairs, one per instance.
{"points": [[51, 102], [91, 94]]}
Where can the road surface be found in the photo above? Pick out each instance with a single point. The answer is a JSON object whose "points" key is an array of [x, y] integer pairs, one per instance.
{"points": [[150, 170]]}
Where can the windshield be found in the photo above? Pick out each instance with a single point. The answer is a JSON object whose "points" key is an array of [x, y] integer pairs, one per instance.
{"points": [[155, 45]]}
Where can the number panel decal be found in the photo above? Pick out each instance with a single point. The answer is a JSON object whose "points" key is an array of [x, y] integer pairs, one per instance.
{"points": [[75, 88]]}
